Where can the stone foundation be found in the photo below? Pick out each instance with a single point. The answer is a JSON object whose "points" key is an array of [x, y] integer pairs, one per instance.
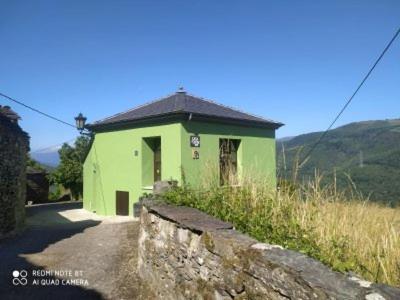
{"points": [[186, 254]]}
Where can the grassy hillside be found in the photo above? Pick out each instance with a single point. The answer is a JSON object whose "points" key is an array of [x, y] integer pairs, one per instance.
{"points": [[367, 152]]}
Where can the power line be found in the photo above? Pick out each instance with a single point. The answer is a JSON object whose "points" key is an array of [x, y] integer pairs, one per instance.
{"points": [[351, 98], [38, 111]]}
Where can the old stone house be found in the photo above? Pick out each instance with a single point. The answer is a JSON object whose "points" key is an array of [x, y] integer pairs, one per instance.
{"points": [[14, 146], [37, 185]]}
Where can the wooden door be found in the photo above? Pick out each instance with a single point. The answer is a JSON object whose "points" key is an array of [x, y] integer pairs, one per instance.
{"points": [[157, 163], [122, 203]]}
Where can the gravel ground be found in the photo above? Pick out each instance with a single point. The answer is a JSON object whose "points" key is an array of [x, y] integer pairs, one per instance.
{"points": [[95, 257]]}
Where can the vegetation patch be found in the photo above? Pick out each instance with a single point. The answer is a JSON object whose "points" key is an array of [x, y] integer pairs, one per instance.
{"points": [[347, 234], [69, 173]]}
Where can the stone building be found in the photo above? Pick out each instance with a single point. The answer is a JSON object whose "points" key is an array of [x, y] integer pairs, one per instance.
{"points": [[14, 146], [37, 185]]}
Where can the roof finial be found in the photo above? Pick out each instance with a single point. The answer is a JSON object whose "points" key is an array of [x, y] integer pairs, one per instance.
{"points": [[181, 90]]}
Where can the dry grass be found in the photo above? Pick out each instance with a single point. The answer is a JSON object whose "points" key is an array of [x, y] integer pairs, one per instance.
{"points": [[370, 235], [346, 234]]}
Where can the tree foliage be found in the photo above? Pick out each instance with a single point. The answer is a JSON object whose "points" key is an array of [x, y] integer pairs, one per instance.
{"points": [[69, 171]]}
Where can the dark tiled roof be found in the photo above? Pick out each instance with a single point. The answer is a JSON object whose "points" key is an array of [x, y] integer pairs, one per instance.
{"points": [[32, 170], [182, 103]]}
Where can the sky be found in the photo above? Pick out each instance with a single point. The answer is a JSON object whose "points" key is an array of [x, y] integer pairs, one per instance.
{"points": [[296, 62]]}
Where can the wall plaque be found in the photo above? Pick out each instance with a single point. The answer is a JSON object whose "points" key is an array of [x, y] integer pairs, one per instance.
{"points": [[194, 141], [195, 154]]}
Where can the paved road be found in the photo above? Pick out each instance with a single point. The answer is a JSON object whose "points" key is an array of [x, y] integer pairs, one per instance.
{"points": [[68, 253]]}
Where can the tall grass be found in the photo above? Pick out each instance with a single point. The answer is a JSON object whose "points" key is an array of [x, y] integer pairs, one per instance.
{"points": [[347, 233]]}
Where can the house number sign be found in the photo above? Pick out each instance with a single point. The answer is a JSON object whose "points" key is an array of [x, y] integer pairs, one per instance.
{"points": [[195, 154], [194, 141]]}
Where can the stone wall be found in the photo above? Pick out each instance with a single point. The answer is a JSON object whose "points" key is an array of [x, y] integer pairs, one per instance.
{"points": [[186, 254], [14, 145], [37, 186]]}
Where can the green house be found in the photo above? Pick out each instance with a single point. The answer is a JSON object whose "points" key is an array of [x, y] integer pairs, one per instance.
{"points": [[179, 137]]}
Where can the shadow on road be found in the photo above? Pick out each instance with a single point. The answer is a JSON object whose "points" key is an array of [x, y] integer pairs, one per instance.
{"points": [[51, 228]]}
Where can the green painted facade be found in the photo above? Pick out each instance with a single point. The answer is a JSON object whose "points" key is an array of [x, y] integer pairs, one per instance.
{"points": [[121, 160]]}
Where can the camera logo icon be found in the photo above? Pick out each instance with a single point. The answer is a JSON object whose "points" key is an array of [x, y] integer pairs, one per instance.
{"points": [[19, 277]]}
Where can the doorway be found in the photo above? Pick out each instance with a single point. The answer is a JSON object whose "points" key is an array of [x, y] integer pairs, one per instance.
{"points": [[151, 160], [122, 203], [157, 160], [228, 162]]}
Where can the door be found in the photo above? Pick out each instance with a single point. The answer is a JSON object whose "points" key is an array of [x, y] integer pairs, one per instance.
{"points": [[151, 160], [157, 162], [122, 203]]}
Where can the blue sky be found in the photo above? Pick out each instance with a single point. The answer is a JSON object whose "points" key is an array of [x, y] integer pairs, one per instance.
{"points": [[292, 61]]}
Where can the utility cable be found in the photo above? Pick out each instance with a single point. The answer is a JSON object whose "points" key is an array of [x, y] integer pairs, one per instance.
{"points": [[350, 99], [38, 111]]}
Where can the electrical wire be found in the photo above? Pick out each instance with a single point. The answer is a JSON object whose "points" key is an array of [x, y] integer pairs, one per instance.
{"points": [[38, 111], [350, 99]]}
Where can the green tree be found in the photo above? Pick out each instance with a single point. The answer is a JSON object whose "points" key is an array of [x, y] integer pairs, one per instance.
{"points": [[69, 171]]}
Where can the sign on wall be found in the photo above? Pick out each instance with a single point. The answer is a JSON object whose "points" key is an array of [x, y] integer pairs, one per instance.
{"points": [[194, 141], [195, 154]]}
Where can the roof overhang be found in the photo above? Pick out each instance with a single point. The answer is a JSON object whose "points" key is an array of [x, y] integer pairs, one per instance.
{"points": [[178, 117]]}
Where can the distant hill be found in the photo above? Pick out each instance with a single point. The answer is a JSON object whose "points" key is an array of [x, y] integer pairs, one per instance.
{"points": [[285, 139], [48, 157], [369, 152]]}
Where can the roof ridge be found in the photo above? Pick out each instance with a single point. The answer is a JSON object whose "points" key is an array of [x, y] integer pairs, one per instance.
{"points": [[233, 108], [179, 102], [134, 108]]}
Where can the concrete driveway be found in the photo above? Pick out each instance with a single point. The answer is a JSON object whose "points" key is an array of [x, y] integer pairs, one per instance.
{"points": [[68, 253]]}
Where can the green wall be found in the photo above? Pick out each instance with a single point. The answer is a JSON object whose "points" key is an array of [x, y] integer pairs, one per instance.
{"points": [[111, 164], [256, 153]]}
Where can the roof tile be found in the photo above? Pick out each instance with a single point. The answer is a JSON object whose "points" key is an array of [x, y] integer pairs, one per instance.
{"points": [[181, 102]]}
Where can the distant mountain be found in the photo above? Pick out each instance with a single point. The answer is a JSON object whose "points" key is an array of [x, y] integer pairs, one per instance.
{"points": [[47, 156], [368, 152], [285, 139]]}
